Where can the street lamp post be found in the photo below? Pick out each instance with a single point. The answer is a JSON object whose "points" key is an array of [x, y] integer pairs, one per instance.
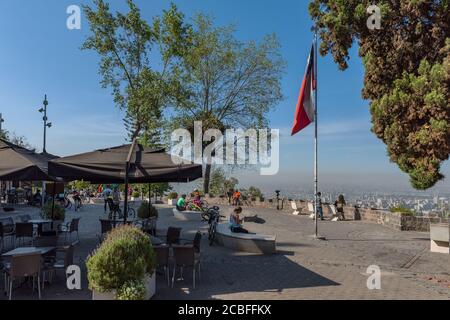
{"points": [[1, 121], [46, 123]]}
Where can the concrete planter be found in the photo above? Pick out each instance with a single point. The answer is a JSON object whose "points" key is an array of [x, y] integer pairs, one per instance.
{"points": [[440, 237], [150, 285]]}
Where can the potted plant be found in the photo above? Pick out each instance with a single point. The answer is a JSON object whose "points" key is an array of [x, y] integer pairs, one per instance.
{"points": [[55, 213], [123, 264], [135, 195], [172, 199], [149, 216]]}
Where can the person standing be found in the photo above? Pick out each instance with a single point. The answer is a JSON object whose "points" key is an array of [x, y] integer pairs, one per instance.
{"points": [[230, 195], [116, 196], [340, 204], [237, 198], [106, 194], [319, 205]]}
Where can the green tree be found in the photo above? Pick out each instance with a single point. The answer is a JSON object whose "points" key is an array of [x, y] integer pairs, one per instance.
{"points": [[129, 47], [217, 184], [13, 138], [226, 83], [407, 78], [79, 185]]}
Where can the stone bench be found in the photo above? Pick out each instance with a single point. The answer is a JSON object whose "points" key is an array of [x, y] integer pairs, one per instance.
{"points": [[253, 243], [187, 215], [440, 237]]}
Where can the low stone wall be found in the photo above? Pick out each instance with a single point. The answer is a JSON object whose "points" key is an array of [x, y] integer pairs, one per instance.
{"points": [[393, 220]]}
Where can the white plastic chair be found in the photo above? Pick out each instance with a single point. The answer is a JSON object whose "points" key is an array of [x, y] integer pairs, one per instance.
{"points": [[311, 210], [295, 208]]}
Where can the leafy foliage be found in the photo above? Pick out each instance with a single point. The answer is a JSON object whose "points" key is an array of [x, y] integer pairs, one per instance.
{"points": [[252, 192], [132, 291], [125, 256], [124, 43], [144, 212], [173, 195], [79, 185], [403, 210], [226, 83], [407, 77], [219, 184], [59, 213]]}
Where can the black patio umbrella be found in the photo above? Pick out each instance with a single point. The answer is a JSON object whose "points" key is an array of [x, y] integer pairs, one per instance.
{"points": [[131, 163], [20, 164]]}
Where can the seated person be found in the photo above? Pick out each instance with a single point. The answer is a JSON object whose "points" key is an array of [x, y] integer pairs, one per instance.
{"points": [[236, 221], [197, 199], [181, 204]]}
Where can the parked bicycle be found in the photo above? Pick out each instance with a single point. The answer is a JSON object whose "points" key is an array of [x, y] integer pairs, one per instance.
{"points": [[115, 211], [206, 215], [213, 223]]}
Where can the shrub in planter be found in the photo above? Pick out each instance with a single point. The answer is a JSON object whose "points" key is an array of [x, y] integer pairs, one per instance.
{"points": [[126, 256], [59, 213], [136, 194], [144, 212], [173, 196], [132, 290]]}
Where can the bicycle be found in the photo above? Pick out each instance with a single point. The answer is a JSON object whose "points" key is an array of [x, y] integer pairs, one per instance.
{"points": [[206, 216], [214, 221], [117, 211]]}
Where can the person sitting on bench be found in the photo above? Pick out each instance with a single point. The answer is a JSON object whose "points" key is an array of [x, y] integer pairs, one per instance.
{"points": [[236, 221], [181, 204]]}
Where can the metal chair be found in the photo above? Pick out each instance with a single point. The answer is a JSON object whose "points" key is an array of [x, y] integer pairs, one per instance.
{"points": [[24, 230], [7, 229], [106, 226], [184, 257], [59, 263], [162, 260], [70, 228], [24, 266], [173, 235]]}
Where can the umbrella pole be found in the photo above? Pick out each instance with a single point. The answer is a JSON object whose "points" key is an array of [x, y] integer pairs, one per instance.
{"points": [[125, 209], [53, 202], [127, 172]]}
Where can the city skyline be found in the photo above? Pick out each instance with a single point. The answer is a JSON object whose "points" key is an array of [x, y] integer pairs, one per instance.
{"points": [[85, 118]]}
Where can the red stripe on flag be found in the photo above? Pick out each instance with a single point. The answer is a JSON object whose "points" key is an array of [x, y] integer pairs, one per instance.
{"points": [[301, 120], [305, 99]]}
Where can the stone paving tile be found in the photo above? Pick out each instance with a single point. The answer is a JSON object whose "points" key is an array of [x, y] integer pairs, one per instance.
{"points": [[303, 268]]}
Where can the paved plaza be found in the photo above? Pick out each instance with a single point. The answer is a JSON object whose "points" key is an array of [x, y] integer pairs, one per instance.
{"points": [[303, 268]]}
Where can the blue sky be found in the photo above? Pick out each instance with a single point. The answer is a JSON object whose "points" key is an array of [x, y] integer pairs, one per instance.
{"points": [[39, 55]]}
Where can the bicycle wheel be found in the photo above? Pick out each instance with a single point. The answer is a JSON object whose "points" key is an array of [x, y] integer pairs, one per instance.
{"points": [[205, 216], [213, 234], [131, 213]]}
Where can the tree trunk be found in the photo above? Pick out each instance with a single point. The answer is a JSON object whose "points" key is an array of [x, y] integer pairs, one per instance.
{"points": [[206, 178]]}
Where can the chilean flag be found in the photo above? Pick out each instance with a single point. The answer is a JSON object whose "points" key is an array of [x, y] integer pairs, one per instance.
{"points": [[305, 112]]}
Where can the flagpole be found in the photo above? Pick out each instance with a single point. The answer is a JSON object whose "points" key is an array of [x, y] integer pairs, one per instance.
{"points": [[316, 144]]}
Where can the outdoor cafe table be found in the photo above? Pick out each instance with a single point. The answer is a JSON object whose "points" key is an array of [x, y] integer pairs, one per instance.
{"points": [[28, 250], [39, 221]]}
